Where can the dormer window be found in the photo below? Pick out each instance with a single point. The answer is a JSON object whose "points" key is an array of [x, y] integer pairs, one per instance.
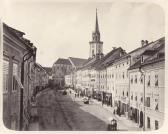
{"points": [[142, 59], [160, 55], [120, 54]]}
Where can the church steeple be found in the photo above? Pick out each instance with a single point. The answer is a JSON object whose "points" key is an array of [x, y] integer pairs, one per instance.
{"points": [[96, 46], [97, 25], [96, 33]]}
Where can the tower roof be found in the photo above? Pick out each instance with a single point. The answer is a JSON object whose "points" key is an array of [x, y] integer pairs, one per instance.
{"points": [[97, 25]]}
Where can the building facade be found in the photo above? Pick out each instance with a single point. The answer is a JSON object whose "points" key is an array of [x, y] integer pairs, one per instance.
{"points": [[61, 68], [18, 56], [118, 83], [119, 79], [147, 87]]}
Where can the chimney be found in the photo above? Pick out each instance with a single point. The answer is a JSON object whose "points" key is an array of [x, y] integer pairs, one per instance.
{"points": [[114, 48], [142, 43], [146, 42]]}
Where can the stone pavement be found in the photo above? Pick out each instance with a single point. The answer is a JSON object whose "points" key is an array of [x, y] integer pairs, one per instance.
{"points": [[129, 123]]}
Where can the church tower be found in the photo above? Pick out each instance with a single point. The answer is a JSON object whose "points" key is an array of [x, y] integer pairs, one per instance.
{"points": [[96, 46]]}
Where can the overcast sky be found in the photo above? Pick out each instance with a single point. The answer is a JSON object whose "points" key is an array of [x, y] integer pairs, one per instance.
{"points": [[65, 29]]}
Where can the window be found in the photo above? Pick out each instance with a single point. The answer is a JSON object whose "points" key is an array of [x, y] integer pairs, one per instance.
{"points": [[15, 69], [5, 75], [156, 125], [156, 104], [148, 101], [123, 93], [135, 78], [156, 80], [141, 99], [135, 98], [131, 79], [127, 94], [148, 122], [123, 75], [131, 97], [141, 80], [14, 84], [148, 80], [92, 52], [15, 73]]}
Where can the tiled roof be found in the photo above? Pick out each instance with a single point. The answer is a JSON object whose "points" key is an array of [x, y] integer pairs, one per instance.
{"points": [[88, 63], [48, 69], [119, 59], [155, 55], [149, 52], [78, 62], [39, 66], [110, 58], [105, 61], [19, 35], [63, 61], [137, 49]]}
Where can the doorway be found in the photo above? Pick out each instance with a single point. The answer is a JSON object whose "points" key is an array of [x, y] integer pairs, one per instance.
{"points": [[141, 119]]}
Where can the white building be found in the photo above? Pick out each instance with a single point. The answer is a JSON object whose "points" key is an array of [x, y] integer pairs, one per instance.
{"points": [[147, 81], [118, 82]]}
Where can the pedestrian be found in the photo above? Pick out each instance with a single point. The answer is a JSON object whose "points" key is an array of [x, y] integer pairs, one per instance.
{"points": [[114, 111]]}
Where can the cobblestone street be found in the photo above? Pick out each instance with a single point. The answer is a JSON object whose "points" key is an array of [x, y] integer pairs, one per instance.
{"points": [[66, 112]]}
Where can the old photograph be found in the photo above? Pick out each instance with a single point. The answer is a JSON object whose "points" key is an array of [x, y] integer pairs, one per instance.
{"points": [[83, 66]]}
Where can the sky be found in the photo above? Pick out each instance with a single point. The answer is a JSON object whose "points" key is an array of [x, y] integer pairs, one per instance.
{"points": [[62, 30]]}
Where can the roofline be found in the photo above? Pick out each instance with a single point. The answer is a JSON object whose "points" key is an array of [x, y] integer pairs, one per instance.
{"points": [[22, 39], [148, 63], [145, 45]]}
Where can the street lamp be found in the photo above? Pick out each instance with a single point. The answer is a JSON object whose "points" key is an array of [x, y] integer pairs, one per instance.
{"points": [[143, 75]]}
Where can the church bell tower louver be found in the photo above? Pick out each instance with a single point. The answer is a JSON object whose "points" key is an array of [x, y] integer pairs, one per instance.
{"points": [[96, 46]]}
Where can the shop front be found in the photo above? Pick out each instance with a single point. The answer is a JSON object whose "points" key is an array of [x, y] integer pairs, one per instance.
{"points": [[107, 98]]}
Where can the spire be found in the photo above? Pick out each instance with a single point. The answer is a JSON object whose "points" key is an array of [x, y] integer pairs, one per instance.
{"points": [[97, 25]]}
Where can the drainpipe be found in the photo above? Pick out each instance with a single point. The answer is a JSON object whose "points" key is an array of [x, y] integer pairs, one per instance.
{"points": [[34, 56], [143, 74]]}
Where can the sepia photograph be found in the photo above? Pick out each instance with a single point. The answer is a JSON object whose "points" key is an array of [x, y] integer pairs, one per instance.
{"points": [[83, 66]]}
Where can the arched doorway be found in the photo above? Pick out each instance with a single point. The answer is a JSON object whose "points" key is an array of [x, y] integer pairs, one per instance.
{"points": [[141, 119]]}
